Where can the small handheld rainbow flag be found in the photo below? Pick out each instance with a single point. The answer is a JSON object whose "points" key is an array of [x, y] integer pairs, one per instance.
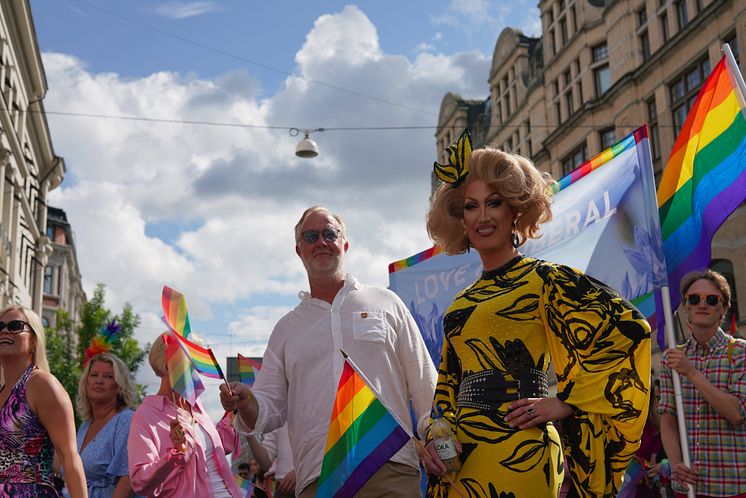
{"points": [[246, 486], [175, 311], [181, 374], [247, 369], [363, 435], [202, 358]]}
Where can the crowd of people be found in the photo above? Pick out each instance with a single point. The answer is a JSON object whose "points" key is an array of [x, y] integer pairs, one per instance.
{"points": [[515, 437]]}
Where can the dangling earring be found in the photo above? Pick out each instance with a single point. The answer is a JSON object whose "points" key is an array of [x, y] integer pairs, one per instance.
{"points": [[516, 241], [468, 243]]}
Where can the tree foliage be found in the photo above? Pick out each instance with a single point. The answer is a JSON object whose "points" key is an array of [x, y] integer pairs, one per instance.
{"points": [[66, 358]]}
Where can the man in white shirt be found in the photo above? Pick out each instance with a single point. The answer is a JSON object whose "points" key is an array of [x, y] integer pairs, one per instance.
{"points": [[302, 364]]}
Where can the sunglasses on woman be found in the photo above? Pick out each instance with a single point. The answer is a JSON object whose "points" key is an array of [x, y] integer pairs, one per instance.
{"points": [[329, 234], [13, 326], [710, 299]]}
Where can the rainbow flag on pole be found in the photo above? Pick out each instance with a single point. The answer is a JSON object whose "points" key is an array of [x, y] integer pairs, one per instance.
{"points": [[363, 435], [175, 311], [705, 178], [202, 358], [247, 369], [181, 374]]}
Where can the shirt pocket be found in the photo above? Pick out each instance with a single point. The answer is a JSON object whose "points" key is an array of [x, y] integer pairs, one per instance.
{"points": [[369, 326]]}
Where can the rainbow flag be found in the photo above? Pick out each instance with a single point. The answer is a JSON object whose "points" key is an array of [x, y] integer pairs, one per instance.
{"points": [[247, 369], [181, 374], [246, 486], [175, 311], [202, 358], [705, 178], [363, 435]]}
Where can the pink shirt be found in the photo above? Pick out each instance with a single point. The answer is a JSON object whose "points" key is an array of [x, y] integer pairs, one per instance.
{"points": [[157, 469]]}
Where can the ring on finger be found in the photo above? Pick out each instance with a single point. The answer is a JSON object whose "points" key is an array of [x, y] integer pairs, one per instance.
{"points": [[531, 411]]}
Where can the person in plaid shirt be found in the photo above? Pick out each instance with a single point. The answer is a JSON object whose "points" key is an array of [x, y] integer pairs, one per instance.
{"points": [[712, 366]]}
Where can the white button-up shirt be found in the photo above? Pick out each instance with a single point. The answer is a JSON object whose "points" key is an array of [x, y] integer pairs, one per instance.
{"points": [[302, 366]]}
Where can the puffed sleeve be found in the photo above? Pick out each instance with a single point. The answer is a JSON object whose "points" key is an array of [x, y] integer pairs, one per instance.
{"points": [[118, 465], [600, 347]]}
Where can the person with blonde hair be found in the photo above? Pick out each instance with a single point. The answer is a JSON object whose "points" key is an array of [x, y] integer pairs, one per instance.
{"points": [[106, 399], [174, 449], [36, 418], [502, 331]]}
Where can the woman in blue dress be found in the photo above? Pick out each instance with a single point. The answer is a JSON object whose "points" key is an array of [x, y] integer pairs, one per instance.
{"points": [[105, 402]]}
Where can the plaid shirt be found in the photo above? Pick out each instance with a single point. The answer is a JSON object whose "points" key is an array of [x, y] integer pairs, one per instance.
{"points": [[717, 448]]}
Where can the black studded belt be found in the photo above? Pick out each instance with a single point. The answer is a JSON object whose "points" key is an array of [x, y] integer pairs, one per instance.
{"points": [[489, 389]]}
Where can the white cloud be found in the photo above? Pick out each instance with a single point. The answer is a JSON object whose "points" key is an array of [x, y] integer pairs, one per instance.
{"points": [[210, 210], [183, 10]]}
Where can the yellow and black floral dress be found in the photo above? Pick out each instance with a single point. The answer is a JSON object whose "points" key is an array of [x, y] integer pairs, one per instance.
{"points": [[500, 334]]}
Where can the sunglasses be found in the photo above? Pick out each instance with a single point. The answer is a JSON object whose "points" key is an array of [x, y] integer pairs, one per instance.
{"points": [[710, 299], [329, 235], [13, 326]]}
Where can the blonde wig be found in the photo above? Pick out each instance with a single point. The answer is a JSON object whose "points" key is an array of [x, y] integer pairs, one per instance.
{"points": [[526, 190]]}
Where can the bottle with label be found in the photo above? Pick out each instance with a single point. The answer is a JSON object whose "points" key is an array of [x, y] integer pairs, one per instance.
{"points": [[445, 443]]}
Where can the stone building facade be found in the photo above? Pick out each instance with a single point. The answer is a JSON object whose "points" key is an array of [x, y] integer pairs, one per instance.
{"points": [[63, 288], [594, 75], [29, 167]]}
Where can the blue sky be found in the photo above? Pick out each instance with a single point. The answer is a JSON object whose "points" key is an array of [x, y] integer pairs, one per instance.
{"points": [[209, 209]]}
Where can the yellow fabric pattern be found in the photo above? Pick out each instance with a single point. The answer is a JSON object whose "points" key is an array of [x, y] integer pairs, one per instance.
{"points": [[513, 319]]}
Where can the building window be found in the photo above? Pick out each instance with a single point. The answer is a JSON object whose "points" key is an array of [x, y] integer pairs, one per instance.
{"points": [[48, 272], [558, 112], [642, 16], [563, 31], [664, 27], [561, 5], [644, 45], [575, 159], [50, 231], [574, 18], [608, 137], [655, 145], [570, 103], [684, 89], [682, 14], [601, 71], [600, 52], [731, 40], [602, 76]]}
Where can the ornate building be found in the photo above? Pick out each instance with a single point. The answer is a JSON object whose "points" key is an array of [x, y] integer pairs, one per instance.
{"points": [[595, 75], [63, 288], [29, 167]]}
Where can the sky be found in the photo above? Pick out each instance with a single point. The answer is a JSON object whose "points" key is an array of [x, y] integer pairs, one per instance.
{"points": [[173, 119]]}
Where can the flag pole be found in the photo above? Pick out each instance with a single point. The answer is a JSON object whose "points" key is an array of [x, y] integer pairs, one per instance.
{"points": [[220, 371], [671, 343], [737, 77], [375, 391]]}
